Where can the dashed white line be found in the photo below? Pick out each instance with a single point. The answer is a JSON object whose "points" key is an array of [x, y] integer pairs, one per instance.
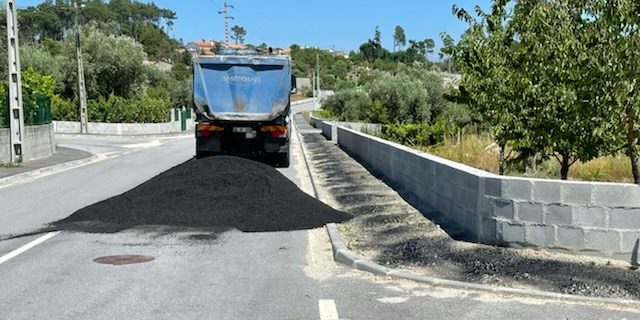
{"points": [[27, 246], [328, 310]]}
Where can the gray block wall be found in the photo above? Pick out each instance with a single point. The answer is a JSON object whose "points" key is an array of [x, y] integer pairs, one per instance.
{"points": [[123, 128], [39, 142], [576, 216]]}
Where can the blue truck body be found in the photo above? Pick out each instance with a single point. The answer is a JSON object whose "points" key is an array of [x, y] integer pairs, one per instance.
{"points": [[242, 103]]}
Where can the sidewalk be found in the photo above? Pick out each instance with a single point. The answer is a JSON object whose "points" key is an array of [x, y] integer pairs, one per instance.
{"points": [[62, 155]]}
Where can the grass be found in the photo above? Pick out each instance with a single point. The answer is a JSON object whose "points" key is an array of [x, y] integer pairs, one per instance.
{"points": [[9, 165], [480, 151]]}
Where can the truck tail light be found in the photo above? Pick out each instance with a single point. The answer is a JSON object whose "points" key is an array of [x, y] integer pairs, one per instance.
{"points": [[276, 131], [205, 129]]}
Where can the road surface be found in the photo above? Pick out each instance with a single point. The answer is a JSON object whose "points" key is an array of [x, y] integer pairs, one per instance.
{"points": [[202, 275]]}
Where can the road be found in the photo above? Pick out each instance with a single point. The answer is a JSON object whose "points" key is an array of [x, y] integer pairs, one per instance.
{"points": [[204, 275]]}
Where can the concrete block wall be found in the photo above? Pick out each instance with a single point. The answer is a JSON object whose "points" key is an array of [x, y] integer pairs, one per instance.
{"points": [[39, 142], [575, 216], [123, 128], [329, 127]]}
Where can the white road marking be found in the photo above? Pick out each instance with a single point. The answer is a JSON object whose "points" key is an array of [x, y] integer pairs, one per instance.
{"points": [[27, 246], [328, 310], [393, 300]]}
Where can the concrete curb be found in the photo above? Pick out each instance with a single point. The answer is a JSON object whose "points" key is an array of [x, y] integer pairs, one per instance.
{"points": [[47, 170], [348, 257]]}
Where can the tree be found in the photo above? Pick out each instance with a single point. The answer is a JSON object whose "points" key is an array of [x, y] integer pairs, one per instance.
{"points": [[238, 33], [524, 70], [617, 39], [399, 38], [113, 65]]}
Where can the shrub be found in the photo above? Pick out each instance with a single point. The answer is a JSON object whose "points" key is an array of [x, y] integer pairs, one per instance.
{"points": [[404, 99], [348, 105], [64, 109]]}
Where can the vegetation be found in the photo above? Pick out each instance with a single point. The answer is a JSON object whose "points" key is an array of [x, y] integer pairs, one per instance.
{"points": [[118, 37], [238, 33], [530, 70]]}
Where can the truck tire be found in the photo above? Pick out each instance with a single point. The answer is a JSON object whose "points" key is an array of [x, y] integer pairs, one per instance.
{"points": [[283, 160]]}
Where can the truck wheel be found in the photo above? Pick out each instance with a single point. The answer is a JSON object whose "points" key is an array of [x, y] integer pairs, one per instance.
{"points": [[283, 160]]}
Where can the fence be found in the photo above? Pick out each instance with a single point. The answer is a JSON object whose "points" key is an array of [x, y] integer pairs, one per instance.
{"points": [[36, 109]]}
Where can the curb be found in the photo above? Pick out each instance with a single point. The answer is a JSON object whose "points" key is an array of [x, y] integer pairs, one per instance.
{"points": [[345, 256], [47, 170], [348, 257]]}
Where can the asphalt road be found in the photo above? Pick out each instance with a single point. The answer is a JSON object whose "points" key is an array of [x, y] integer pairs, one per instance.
{"points": [[199, 274]]}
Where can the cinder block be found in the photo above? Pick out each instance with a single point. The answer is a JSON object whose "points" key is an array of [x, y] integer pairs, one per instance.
{"points": [[632, 196], [558, 214], [576, 193], [622, 218], [493, 187], [503, 209], [488, 231], [589, 217], [603, 240], [517, 189], [484, 208], [530, 212], [547, 191], [629, 240], [569, 238], [511, 232], [610, 195], [540, 235]]}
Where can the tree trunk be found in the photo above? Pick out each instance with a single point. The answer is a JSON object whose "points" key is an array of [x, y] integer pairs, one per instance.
{"points": [[632, 143], [564, 167], [501, 161]]}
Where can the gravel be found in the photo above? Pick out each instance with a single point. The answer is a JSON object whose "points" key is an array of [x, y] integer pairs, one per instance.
{"points": [[397, 235], [215, 192]]}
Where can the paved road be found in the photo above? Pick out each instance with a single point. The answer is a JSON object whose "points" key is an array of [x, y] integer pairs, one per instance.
{"points": [[199, 274]]}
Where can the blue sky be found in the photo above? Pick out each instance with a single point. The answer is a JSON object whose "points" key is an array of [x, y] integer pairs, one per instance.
{"points": [[343, 24]]}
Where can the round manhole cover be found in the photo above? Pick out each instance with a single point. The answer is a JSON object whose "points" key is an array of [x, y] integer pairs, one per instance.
{"points": [[123, 259]]}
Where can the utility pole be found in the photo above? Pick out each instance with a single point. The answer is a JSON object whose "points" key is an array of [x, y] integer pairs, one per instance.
{"points": [[318, 73], [82, 90], [227, 17], [16, 114]]}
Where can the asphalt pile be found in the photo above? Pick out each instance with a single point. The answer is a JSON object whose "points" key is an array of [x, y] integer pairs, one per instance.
{"points": [[214, 192]]}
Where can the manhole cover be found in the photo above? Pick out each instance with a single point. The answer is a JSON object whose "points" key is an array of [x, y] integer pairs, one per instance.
{"points": [[123, 259]]}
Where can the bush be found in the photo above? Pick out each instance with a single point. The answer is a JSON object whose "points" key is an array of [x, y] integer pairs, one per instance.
{"points": [[405, 100], [348, 105], [63, 109], [144, 109], [418, 134]]}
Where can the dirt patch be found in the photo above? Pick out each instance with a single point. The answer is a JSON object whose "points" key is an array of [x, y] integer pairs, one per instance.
{"points": [[397, 235], [214, 192]]}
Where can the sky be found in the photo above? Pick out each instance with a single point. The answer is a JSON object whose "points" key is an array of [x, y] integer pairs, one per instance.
{"points": [[339, 24]]}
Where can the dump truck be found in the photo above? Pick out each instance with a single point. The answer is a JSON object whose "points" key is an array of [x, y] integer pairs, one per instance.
{"points": [[242, 106]]}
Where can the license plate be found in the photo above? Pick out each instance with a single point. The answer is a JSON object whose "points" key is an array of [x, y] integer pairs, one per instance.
{"points": [[242, 129]]}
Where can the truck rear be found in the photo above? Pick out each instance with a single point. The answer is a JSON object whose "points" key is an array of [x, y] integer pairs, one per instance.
{"points": [[242, 103]]}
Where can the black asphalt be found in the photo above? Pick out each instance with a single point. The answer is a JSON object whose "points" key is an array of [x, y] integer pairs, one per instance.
{"points": [[215, 192]]}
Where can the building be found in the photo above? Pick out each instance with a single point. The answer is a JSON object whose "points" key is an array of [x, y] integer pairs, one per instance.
{"points": [[209, 47]]}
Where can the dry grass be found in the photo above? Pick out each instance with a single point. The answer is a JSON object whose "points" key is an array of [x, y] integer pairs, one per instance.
{"points": [[479, 151]]}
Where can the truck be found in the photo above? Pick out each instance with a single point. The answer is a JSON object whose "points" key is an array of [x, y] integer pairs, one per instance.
{"points": [[242, 106]]}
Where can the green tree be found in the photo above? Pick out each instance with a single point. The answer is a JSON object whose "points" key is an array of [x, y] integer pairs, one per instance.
{"points": [[113, 65], [523, 69], [238, 33], [617, 41], [399, 38]]}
